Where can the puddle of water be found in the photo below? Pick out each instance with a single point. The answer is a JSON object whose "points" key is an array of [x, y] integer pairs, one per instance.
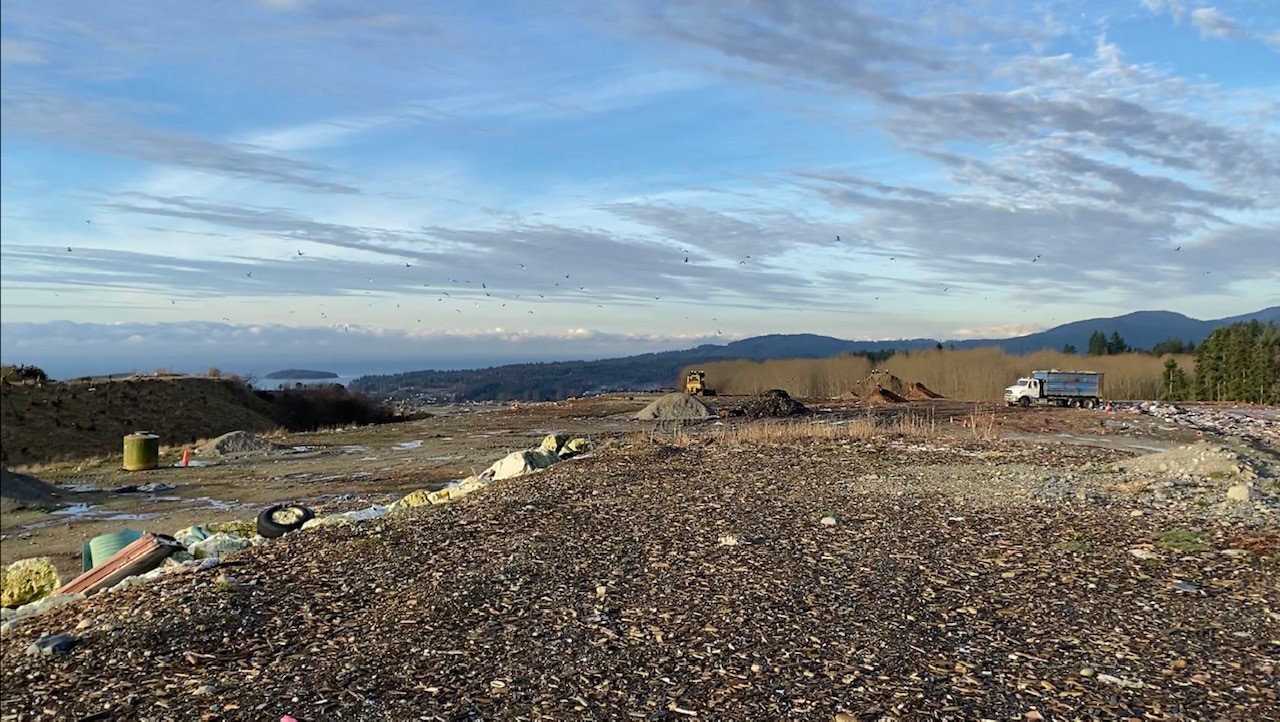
{"points": [[76, 510], [362, 474], [129, 517], [370, 458], [80, 488], [303, 448], [353, 449], [406, 445], [192, 462]]}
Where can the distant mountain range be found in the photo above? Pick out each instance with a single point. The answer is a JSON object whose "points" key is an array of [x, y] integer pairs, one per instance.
{"points": [[1140, 330], [561, 379]]}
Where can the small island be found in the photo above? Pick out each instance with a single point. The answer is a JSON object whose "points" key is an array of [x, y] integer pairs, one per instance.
{"points": [[300, 374]]}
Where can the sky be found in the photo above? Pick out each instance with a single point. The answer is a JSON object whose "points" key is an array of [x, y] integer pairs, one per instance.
{"points": [[400, 185]]}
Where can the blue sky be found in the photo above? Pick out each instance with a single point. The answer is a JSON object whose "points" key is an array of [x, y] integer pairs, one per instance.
{"points": [[456, 182]]}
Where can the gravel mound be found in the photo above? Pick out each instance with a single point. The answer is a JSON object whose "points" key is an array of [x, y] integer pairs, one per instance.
{"points": [[19, 491], [675, 406], [237, 442], [1195, 460], [775, 403]]}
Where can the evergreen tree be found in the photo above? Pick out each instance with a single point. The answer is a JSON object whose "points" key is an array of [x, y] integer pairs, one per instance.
{"points": [[1098, 344], [1175, 386], [1068, 348], [1240, 362], [1116, 344]]}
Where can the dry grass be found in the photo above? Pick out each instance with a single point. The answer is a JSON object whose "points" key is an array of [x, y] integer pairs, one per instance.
{"points": [[977, 374]]}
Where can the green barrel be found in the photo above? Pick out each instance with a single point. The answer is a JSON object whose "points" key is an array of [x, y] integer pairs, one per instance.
{"points": [[141, 451], [104, 546]]}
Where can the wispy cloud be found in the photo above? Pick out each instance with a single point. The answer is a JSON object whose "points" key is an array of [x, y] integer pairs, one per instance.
{"points": [[20, 51]]}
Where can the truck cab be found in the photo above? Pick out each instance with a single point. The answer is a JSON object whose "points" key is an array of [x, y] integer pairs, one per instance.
{"points": [[1023, 392]]}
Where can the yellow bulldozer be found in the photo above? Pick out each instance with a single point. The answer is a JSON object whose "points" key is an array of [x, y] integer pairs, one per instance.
{"points": [[695, 384]]}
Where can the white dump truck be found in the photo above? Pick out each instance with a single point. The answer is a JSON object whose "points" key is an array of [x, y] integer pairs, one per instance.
{"points": [[1059, 388]]}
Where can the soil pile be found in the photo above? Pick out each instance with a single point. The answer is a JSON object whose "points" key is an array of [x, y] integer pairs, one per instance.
{"points": [[882, 380], [918, 391], [773, 404], [675, 406], [883, 396], [847, 396], [237, 442], [19, 491]]}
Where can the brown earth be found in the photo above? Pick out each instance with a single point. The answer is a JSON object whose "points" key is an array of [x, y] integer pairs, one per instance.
{"points": [[918, 392], [672, 575]]}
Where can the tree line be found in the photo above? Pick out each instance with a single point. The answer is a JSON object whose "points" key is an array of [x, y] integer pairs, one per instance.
{"points": [[1240, 362], [1102, 345]]}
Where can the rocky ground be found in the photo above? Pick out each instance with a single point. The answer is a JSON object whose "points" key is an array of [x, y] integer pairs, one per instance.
{"points": [[954, 576]]}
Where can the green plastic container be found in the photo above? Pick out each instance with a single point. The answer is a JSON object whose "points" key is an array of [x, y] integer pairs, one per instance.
{"points": [[141, 451], [104, 546]]}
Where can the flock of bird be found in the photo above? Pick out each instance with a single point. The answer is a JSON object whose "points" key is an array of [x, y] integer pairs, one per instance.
{"points": [[488, 293]]}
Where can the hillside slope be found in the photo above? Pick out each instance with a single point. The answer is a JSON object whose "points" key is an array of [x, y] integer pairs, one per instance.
{"points": [[76, 420]]}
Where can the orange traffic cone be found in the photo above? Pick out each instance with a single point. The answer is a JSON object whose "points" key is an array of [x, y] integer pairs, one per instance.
{"points": [[186, 455]]}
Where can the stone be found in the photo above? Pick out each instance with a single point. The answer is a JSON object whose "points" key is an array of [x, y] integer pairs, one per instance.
{"points": [[829, 521], [1235, 553], [1240, 492], [1086, 672], [56, 644], [1144, 554]]}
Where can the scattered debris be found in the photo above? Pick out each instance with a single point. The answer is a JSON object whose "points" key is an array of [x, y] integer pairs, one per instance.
{"points": [[141, 556]]}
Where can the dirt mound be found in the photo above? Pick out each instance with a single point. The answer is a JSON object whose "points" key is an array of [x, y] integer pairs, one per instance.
{"points": [[918, 391], [773, 404], [237, 442], [848, 396], [883, 396], [19, 491], [878, 380], [675, 406]]}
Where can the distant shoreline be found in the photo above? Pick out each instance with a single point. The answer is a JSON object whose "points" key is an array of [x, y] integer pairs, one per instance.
{"points": [[300, 375]]}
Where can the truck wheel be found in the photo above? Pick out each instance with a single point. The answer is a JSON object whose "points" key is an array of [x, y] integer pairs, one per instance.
{"points": [[1090, 403], [1024, 402]]}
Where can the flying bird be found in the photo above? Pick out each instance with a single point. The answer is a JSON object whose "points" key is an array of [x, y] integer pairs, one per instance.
{"points": [[408, 265], [249, 274], [1179, 248], [300, 253], [522, 266], [837, 239]]}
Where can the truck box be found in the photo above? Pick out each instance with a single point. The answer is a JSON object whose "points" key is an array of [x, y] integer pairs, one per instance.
{"points": [[1070, 383]]}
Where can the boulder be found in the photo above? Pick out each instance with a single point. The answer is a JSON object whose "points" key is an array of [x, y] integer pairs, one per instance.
{"points": [[28, 580]]}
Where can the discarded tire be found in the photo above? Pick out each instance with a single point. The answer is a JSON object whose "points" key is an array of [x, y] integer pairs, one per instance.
{"points": [[272, 529]]}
